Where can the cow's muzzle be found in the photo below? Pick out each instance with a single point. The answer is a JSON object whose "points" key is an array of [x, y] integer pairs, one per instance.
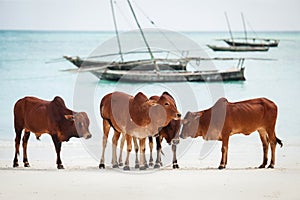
{"points": [[175, 141], [178, 116], [87, 136], [181, 136]]}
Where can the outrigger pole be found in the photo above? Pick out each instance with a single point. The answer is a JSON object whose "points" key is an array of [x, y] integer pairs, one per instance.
{"points": [[144, 38], [116, 30]]}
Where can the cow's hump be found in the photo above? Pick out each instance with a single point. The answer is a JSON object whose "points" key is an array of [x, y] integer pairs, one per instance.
{"points": [[140, 98], [58, 109]]}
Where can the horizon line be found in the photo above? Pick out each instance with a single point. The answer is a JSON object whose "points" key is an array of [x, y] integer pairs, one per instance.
{"points": [[99, 30]]}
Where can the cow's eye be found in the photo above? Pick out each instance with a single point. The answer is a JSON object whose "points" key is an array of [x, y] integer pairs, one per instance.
{"points": [[167, 104], [80, 125]]}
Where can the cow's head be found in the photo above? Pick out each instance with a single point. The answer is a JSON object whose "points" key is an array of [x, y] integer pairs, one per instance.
{"points": [[167, 108], [190, 124], [81, 122]]}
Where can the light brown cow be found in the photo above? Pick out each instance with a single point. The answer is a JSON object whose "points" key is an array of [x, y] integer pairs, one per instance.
{"points": [[170, 133], [52, 117], [225, 119], [135, 116]]}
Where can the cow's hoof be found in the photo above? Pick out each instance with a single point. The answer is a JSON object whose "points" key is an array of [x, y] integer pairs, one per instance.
{"points": [[175, 166], [16, 165], [137, 166], [26, 164], [157, 166], [120, 164], [126, 168], [262, 166], [146, 165], [60, 166], [271, 166], [115, 166], [221, 167], [101, 166], [151, 164], [143, 168]]}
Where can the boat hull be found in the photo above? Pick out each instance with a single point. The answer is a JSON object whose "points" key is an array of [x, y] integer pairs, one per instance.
{"points": [[238, 48], [171, 76], [165, 74], [263, 43]]}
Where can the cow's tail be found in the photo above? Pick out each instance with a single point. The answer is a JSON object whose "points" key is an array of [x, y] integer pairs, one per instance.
{"points": [[279, 141]]}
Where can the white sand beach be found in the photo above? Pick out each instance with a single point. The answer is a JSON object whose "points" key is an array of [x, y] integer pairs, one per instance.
{"points": [[196, 179]]}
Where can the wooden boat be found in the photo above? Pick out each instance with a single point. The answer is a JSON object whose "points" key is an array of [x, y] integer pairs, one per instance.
{"points": [[135, 71], [248, 41], [153, 69], [252, 42], [238, 48], [171, 76]]}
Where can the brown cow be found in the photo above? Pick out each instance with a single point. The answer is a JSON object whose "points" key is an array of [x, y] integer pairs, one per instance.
{"points": [[170, 133], [135, 116], [225, 119], [52, 117]]}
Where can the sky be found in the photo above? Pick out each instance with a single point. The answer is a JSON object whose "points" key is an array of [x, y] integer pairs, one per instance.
{"points": [[177, 15]]}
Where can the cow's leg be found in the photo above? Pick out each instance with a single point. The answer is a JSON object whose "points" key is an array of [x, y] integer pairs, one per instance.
{"points": [[151, 149], [225, 141], [57, 145], [114, 149], [273, 142], [17, 146], [106, 127], [121, 150], [136, 150], [129, 148], [265, 143], [142, 153], [145, 160], [175, 164], [25, 141], [158, 150]]}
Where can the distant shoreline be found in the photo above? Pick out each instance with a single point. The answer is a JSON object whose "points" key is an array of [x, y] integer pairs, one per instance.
{"points": [[113, 32]]}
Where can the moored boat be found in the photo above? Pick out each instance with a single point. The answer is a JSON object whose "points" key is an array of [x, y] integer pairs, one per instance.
{"points": [[171, 76], [153, 68], [146, 71], [238, 48], [252, 42]]}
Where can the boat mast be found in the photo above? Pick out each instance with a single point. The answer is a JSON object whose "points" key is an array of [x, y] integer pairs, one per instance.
{"points": [[228, 25], [116, 30], [244, 24], [144, 38]]}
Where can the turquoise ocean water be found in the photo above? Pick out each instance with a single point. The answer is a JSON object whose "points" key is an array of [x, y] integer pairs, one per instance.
{"points": [[25, 70]]}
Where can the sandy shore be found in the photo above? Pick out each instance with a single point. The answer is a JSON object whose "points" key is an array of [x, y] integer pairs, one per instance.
{"points": [[196, 179]]}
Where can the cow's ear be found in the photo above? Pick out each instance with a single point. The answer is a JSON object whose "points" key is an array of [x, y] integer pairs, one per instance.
{"points": [[140, 97], [167, 94], [69, 117]]}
